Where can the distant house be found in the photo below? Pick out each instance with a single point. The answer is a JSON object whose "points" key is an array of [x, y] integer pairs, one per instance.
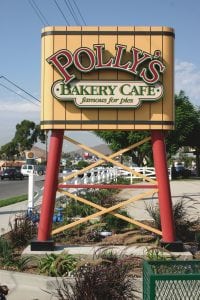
{"points": [[4, 164], [87, 155], [39, 154]]}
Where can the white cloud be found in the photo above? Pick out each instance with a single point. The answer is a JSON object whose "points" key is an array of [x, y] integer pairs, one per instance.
{"points": [[187, 78], [19, 107]]}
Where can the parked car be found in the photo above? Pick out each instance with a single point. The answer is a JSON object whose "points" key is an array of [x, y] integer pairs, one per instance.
{"points": [[33, 169], [11, 174], [182, 171], [67, 171]]}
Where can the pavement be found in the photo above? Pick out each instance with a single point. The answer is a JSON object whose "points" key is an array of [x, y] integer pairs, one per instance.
{"points": [[8, 213], [32, 287], [189, 190]]}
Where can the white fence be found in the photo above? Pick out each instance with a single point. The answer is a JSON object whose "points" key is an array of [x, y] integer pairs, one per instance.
{"points": [[101, 174]]}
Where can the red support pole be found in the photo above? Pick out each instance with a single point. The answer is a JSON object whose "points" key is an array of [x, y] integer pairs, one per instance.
{"points": [[164, 193], [50, 186]]}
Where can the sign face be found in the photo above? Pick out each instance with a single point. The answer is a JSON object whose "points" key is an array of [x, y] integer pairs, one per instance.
{"points": [[107, 94], [63, 59], [30, 154], [107, 78]]}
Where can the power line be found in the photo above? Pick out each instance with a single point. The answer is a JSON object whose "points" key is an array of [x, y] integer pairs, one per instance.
{"points": [[38, 12], [17, 86], [79, 12], [60, 10], [9, 89], [72, 12]]}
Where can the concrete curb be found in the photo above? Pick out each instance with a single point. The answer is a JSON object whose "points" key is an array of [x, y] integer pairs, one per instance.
{"points": [[26, 286], [138, 251]]}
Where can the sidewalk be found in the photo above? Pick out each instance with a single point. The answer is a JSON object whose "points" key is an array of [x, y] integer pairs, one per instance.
{"points": [[189, 189], [7, 214]]}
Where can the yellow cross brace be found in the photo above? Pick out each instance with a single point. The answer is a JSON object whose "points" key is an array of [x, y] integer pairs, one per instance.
{"points": [[111, 210], [104, 210], [108, 158]]}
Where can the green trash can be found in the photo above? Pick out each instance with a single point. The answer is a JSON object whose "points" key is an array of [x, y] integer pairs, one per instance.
{"points": [[171, 280]]}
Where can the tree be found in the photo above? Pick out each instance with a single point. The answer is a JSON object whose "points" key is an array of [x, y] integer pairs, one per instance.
{"points": [[186, 133], [27, 133], [82, 164], [39, 135], [121, 139], [9, 150]]}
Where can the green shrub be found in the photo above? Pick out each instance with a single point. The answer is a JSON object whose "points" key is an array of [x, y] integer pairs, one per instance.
{"points": [[182, 220], [122, 180], [82, 164], [9, 258], [102, 197], [107, 255], [21, 263], [114, 223], [57, 264], [6, 252], [158, 253], [22, 231], [75, 208]]}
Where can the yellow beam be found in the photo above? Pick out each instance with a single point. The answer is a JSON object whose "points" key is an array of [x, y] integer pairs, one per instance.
{"points": [[98, 163], [130, 220], [108, 158], [103, 210]]}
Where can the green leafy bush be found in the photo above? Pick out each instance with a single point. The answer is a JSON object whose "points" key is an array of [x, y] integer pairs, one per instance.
{"points": [[185, 227], [114, 223], [10, 259], [21, 263], [57, 264], [158, 253], [22, 231], [6, 252], [74, 209], [107, 255]]}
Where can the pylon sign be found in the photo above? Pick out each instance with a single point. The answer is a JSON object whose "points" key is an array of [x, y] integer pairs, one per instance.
{"points": [[30, 158], [106, 78]]}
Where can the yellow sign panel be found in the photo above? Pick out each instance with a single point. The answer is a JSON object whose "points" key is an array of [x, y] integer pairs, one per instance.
{"points": [[107, 78]]}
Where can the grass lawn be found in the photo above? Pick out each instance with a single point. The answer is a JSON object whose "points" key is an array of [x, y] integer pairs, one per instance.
{"points": [[13, 200]]}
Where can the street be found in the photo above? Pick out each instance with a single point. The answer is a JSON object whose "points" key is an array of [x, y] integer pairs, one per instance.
{"points": [[12, 188]]}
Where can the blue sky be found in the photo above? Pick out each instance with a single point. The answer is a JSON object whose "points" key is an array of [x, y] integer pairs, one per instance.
{"points": [[20, 30]]}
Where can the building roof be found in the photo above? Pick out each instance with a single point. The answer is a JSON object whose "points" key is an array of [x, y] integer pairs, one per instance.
{"points": [[38, 152], [15, 163]]}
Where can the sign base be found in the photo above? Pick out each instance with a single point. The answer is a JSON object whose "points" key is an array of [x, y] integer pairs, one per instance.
{"points": [[48, 245], [176, 246]]}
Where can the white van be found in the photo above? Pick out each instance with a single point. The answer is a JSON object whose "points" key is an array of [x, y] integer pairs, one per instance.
{"points": [[32, 169]]}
